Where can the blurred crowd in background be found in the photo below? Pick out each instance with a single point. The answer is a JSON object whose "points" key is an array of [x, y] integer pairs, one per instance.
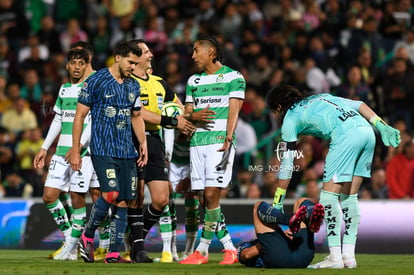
{"points": [[361, 50]]}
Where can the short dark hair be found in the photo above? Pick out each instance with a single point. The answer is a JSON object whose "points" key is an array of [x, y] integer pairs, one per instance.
{"points": [[83, 45], [124, 48], [78, 54], [212, 41]]}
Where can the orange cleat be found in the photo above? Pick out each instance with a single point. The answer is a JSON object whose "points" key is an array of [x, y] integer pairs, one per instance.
{"points": [[230, 257], [195, 258]]}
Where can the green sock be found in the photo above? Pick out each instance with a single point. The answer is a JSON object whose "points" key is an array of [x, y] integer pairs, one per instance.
{"points": [[60, 216], [78, 222], [67, 203], [278, 198], [211, 219], [104, 231], [223, 234], [351, 216], [332, 218], [166, 229], [192, 222]]}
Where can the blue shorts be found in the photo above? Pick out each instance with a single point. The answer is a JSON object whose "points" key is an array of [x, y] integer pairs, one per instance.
{"points": [[280, 252], [115, 174], [350, 154]]}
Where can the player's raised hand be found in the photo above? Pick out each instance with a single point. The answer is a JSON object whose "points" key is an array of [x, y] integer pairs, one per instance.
{"points": [[39, 159], [185, 125], [389, 135]]}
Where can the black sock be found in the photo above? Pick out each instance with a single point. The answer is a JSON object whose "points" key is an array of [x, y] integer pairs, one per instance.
{"points": [[136, 225], [151, 217]]}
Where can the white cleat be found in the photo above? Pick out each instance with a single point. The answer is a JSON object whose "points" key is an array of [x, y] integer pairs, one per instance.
{"points": [[349, 262], [328, 263], [67, 254]]}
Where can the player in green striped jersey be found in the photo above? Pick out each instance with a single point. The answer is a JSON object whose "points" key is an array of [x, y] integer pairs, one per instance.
{"points": [[61, 178], [220, 89]]}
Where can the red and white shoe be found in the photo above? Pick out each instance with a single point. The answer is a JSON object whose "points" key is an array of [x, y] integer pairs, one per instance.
{"points": [[297, 219], [316, 217], [195, 258], [230, 257]]}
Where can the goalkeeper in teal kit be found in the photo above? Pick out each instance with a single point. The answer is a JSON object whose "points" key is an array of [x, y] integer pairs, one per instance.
{"points": [[346, 125]]}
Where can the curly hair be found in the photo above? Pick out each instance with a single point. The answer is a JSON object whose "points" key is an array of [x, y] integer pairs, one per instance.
{"points": [[281, 98]]}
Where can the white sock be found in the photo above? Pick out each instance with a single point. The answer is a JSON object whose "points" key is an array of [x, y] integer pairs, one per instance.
{"points": [[348, 250], [335, 253]]}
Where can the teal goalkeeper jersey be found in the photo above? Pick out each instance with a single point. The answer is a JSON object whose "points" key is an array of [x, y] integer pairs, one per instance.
{"points": [[321, 115], [214, 90]]}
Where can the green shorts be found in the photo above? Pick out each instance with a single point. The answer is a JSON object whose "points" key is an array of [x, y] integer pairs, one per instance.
{"points": [[115, 174]]}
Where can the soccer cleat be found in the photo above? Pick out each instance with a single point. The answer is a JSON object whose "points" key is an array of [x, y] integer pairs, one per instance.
{"points": [[100, 253], [230, 257], [297, 219], [316, 217], [349, 262], [328, 263], [127, 256], [53, 254], [67, 253], [185, 256], [166, 257], [142, 257], [86, 249], [195, 258], [114, 258], [175, 257]]}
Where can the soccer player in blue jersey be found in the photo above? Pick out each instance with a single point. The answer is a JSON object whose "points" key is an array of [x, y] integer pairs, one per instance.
{"points": [[278, 245], [112, 97], [344, 123]]}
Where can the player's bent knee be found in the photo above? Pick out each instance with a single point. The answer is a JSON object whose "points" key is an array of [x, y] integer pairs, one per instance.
{"points": [[111, 197]]}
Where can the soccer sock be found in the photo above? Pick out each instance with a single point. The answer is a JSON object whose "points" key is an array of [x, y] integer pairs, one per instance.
{"points": [[223, 234], [151, 217], [117, 228], [98, 213], [173, 226], [278, 198], [332, 219], [192, 222], [136, 226], [272, 215], [67, 203], [211, 219], [60, 216], [78, 222], [351, 216], [104, 231], [166, 229]]}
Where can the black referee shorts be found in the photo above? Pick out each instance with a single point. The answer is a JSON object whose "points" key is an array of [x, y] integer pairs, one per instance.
{"points": [[156, 168]]}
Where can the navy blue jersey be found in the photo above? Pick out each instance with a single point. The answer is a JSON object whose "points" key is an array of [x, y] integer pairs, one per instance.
{"points": [[111, 104]]}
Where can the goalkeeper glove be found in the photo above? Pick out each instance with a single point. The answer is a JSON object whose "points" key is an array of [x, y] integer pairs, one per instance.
{"points": [[389, 135]]}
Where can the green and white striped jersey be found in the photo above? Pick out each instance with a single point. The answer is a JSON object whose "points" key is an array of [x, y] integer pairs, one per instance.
{"points": [[65, 106], [214, 90]]}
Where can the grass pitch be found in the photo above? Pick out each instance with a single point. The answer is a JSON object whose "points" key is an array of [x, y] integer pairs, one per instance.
{"points": [[36, 262]]}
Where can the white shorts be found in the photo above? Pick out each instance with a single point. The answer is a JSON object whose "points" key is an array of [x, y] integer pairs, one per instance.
{"points": [[62, 177], [178, 172], [204, 160]]}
